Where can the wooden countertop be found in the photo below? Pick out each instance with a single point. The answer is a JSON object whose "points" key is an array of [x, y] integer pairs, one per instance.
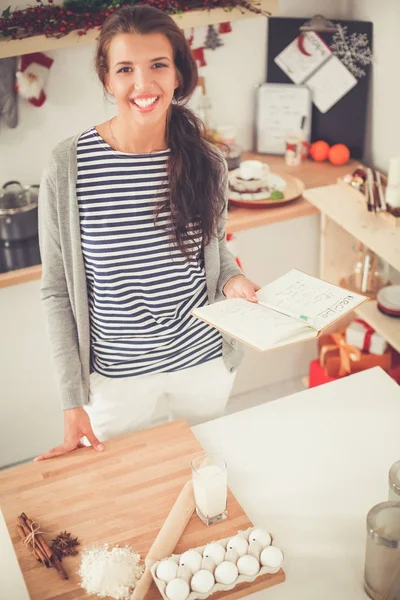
{"points": [[119, 496], [311, 173]]}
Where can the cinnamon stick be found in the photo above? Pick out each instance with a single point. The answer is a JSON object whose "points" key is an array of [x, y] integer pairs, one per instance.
{"points": [[21, 534], [57, 565], [38, 537], [36, 550], [47, 551]]}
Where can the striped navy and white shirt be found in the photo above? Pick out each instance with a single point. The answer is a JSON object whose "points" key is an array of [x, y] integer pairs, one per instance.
{"points": [[141, 288]]}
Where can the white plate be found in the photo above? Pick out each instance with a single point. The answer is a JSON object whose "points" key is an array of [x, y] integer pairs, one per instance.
{"points": [[389, 296]]}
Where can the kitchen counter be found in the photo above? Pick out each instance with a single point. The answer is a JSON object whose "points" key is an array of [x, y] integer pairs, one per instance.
{"points": [[311, 173], [308, 468]]}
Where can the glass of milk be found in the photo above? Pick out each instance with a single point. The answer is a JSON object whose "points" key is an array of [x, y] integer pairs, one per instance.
{"points": [[209, 474]]}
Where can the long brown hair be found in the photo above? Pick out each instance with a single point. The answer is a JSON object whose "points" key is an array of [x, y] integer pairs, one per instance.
{"points": [[194, 165]]}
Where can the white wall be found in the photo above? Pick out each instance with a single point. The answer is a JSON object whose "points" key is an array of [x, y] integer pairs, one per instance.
{"points": [[75, 99], [383, 129]]}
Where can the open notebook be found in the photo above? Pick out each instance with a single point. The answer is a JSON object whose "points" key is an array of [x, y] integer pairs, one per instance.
{"points": [[293, 308]]}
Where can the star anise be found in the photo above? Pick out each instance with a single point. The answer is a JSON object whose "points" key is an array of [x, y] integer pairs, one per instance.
{"points": [[64, 545]]}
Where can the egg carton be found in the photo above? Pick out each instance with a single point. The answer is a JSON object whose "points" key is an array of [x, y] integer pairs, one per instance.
{"points": [[218, 587]]}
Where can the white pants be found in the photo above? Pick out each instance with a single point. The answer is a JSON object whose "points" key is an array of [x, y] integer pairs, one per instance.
{"points": [[119, 405]]}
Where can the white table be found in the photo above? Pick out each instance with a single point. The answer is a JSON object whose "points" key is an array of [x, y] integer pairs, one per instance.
{"points": [[308, 468]]}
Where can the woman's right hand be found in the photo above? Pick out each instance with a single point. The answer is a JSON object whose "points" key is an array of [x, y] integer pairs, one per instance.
{"points": [[76, 426]]}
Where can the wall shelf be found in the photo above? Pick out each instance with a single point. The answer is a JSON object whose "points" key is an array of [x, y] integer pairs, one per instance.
{"points": [[344, 220], [346, 207], [387, 327], [194, 18]]}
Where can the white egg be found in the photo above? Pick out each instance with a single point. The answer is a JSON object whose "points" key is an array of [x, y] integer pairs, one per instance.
{"points": [[239, 544], [271, 557], [261, 536], [248, 565], [166, 570], [191, 559], [177, 589], [202, 581], [214, 551], [208, 564], [255, 549], [184, 573], [226, 572], [232, 555]]}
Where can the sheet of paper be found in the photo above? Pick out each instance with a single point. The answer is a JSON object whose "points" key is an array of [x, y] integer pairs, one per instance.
{"points": [[330, 83], [302, 294], [253, 324], [298, 64]]}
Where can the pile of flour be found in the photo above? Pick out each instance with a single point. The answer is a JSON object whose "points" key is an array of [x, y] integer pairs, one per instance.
{"points": [[109, 571]]}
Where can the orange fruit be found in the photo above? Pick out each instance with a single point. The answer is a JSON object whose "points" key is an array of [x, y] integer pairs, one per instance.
{"points": [[339, 154], [319, 150]]}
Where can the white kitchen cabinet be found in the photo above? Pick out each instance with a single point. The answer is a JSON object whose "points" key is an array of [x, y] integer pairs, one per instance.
{"points": [[30, 411], [265, 254]]}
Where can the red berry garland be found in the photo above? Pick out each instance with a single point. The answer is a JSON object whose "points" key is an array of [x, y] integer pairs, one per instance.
{"points": [[57, 21]]}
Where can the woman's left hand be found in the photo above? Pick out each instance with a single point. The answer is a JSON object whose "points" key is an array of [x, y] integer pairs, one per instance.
{"points": [[241, 287]]}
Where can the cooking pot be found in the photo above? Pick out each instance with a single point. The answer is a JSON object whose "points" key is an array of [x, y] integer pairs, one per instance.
{"points": [[19, 254], [18, 211]]}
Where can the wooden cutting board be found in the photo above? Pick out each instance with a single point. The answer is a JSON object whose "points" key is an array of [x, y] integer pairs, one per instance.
{"points": [[120, 496]]}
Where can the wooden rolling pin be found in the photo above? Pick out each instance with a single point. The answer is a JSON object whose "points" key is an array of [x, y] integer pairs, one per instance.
{"points": [[167, 538]]}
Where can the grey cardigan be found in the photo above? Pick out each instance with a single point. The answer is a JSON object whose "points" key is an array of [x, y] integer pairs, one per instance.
{"points": [[63, 285]]}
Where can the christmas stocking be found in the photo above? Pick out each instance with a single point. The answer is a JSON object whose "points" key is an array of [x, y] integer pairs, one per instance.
{"points": [[32, 76], [198, 55]]}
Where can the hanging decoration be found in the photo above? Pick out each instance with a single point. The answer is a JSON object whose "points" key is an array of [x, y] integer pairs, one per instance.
{"points": [[225, 27], [82, 15], [198, 55], [353, 50], [213, 40], [31, 77]]}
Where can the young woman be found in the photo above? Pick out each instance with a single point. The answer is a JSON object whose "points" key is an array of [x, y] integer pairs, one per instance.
{"points": [[132, 217]]}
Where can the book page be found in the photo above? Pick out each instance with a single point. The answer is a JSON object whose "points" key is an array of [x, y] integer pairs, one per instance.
{"points": [[302, 294], [254, 324]]}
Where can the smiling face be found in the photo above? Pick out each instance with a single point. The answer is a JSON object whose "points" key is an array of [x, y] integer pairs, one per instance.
{"points": [[142, 76]]}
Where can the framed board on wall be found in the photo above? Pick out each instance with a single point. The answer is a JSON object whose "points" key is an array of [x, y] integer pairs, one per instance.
{"points": [[281, 109], [345, 122]]}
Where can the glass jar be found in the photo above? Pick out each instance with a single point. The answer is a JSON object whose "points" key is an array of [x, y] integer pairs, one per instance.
{"points": [[394, 482], [203, 111], [226, 141], [382, 560], [369, 274]]}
